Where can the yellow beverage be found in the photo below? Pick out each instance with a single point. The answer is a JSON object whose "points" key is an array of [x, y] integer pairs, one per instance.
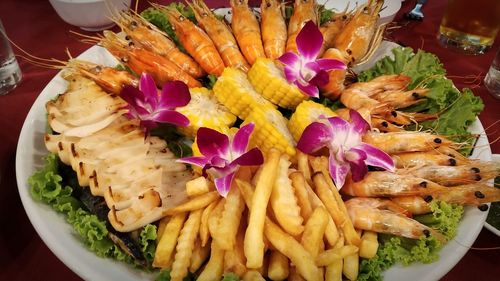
{"points": [[470, 25]]}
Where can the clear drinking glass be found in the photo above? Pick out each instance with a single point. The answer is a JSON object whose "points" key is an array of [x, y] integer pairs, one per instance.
{"points": [[470, 26], [492, 79], [10, 73]]}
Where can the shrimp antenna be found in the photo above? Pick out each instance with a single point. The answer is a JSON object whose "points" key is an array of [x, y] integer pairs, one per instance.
{"points": [[87, 38]]}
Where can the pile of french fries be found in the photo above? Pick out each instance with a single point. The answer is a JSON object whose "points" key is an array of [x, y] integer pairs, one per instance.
{"points": [[281, 221]]}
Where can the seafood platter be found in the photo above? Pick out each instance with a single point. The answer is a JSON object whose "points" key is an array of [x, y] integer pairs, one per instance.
{"points": [[289, 142]]}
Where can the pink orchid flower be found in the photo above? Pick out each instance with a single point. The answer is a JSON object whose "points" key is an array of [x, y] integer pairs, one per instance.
{"points": [[303, 69], [151, 107], [222, 157], [347, 151]]}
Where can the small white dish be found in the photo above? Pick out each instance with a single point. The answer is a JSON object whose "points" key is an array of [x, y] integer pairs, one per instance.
{"points": [[89, 15], [494, 157]]}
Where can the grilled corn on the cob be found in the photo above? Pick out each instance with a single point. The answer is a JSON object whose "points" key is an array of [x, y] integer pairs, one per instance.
{"points": [[233, 90], [205, 111], [306, 113], [268, 80], [270, 131]]}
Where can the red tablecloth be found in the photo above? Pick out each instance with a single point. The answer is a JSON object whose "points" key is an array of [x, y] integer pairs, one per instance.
{"points": [[35, 26]]}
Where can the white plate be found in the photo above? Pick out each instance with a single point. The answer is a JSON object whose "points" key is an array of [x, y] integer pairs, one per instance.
{"points": [[62, 241], [495, 157]]}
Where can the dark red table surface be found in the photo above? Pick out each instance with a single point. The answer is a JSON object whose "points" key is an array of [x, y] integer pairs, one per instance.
{"points": [[34, 25]]}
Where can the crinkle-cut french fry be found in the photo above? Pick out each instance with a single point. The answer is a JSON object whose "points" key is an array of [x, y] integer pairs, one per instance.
{"points": [[312, 238], [351, 266], [234, 206], [185, 246], [331, 233], [200, 255], [234, 259], [303, 165], [161, 228], [334, 207], [369, 245], [254, 236], [215, 266], [166, 246], [214, 218], [194, 203], [279, 266], [204, 233], [198, 186], [294, 275], [288, 246], [253, 275], [333, 255], [283, 201], [299, 184]]}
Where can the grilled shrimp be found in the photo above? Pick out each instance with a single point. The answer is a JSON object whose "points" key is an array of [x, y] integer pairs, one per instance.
{"points": [[406, 141], [331, 29], [196, 42], [354, 39], [220, 34], [387, 184], [303, 11], [471, 194], [143, 61], [455, 175], [428, 158], [384, 126], [247, 31], [371, 214], [336, 77], [401, 99], [273, 28], [416, 205], [144, 34]]}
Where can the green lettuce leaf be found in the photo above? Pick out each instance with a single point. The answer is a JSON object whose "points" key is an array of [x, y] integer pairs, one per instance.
{"points": [[147, 240], [229, 276], [444, 218], [165, 276]]}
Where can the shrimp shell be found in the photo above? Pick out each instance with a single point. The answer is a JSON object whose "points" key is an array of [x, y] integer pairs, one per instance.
{"points": [[354, 39], [406, 141], [384, 126], [303, 11], [147, 36], [387, 184], [196, 42], [367, 214], [273, 27], [416, 205], [402, 99], [456, 175], [109, 78], [220, 34], [247, 30], [143, 61], [331, 29], [427, 158], [336, 77], [470, 194]]}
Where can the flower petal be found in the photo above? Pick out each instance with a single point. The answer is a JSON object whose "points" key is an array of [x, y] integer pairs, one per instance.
{"points": [[359, 124], [310, 90], [195, 160], [174, 94], [223, 184], [315, 136], [376, 157], [250, 158], [329, 64], [212, 143], [170, 116], [309, 41], [338, 170], [356, 158], [240, 140], [320, 79], [148, 88], [290, 59], [340, 129]]}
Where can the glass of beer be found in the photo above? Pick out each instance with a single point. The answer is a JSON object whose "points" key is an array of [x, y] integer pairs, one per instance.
{"points": [[470, 26]]}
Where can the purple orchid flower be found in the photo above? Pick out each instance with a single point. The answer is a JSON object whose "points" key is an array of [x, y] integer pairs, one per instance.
{"points": [[304, 70], [151, 107], [347, 151], [222, 157]]}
